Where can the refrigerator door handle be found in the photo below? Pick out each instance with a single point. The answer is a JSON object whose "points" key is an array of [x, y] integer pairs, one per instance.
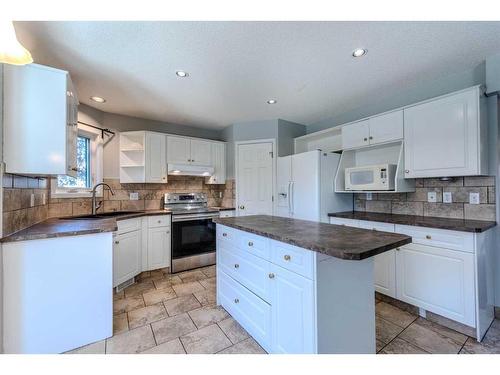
{"points": [[291, 197]]}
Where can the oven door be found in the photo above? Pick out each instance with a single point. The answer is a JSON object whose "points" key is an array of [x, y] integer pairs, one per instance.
{"points": [[193, 243]]}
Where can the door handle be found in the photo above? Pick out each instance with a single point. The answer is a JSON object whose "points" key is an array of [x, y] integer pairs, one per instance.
{"points": [[242, 207], [289, 197], [292, 199]]}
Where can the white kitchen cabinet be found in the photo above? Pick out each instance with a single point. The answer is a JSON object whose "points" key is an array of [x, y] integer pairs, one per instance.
{"points": [[159, 250], [40, 121], [446, 136], [183, 150], [292, 298], [178, 150], [437, 279], [218, 158], [127, 250], [156, 157], [375, 130]]}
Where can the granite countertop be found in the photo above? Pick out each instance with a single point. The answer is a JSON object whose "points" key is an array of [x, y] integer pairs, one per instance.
{"points": [[68, 226], [475, 226], [334, 240]]}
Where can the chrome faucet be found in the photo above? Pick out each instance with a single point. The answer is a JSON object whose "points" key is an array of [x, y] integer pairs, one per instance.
{"points": [[96, 206]]}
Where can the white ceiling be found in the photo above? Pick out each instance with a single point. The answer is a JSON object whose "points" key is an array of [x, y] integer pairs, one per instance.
{"points": [[235, 67]]}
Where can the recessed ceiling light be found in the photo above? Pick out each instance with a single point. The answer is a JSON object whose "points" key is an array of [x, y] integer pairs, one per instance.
{"points": [[272, 101], [358, 52], [181, 73], [98, 99]]}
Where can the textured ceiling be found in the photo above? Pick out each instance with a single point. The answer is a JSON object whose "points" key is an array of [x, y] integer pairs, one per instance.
{"points": [[235, 67]]}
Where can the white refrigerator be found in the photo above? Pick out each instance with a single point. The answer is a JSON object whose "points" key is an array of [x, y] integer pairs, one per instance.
{"points": [[305, 185]]}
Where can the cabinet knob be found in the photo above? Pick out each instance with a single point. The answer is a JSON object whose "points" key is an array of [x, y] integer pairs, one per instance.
{"points": [[371, 137], [397, 249], [75, 169], [159, 221], [236, 300], [287, 257], [407, 171], [117, 242], [236, 265], [250, 243], [365, 139], [168, 231], [271, 275], [242, 207], [428, 236], [224, 234]]}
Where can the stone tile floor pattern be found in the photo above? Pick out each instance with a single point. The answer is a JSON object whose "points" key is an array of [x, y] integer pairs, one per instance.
{"points": [[177, 314]]}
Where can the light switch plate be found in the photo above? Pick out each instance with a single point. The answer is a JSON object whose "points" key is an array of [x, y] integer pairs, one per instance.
{"points": [[134, 196], [447, 197], [431, 197], [32, 200], [474, 198], [369, 196]]}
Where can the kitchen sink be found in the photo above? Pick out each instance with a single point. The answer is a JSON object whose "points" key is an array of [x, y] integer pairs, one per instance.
{"points": [[102, 215]]}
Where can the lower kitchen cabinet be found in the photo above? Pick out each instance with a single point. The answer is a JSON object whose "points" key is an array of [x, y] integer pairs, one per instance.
{"points": [[126, 256], [438, 280], [292, 299], [159, 248], [385, 273]]}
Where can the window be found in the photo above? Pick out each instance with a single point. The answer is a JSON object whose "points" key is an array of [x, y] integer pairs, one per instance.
{"points": [[89, 164], [83, 177]]}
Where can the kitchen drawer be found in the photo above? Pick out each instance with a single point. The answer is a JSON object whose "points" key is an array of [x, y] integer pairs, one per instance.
{"points": [[128, 225], [254, 244], [447, 239], [293, 258], [342, 221], [375, 225], [226, 233], [251, 312], [158, 221], [249, 270]]}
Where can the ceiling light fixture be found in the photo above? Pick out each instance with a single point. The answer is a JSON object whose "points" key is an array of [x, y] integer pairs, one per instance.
{"points": [[181, 73], [358, 52], [272, 101], [98, 99], [11, 51]]}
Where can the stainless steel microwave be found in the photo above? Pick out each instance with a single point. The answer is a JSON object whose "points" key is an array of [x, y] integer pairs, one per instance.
{"points": [[370, 177]]}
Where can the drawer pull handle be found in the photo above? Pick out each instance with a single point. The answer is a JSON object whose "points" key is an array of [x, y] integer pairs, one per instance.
{"points": [[428, 236], [236, 300], [224, 234], [236, 265], [250, 243], [287, 257], [271, 275], [159, 221]]}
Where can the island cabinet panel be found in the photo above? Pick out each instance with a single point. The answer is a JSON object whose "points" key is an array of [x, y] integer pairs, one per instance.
{"points": [[438, 280]]}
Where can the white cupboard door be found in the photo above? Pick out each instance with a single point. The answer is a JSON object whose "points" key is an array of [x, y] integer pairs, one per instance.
{"points": [[356, 135], [178, 150], [156, 160], [219, 164], [442, 137], [254, 179], [201, 153], [159, 250], [438, 280], [126, 256], [386, 128], [293, 311]]}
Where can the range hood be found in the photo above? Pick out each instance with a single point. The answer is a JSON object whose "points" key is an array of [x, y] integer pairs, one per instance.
{"points": [[189, 170]]}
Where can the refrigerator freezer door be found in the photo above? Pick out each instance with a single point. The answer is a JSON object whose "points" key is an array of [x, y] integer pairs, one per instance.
{"points": [[284, 177], [306, 185]]}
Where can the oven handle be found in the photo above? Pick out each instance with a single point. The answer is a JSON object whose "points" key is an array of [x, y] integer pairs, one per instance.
{"points": [[176, 218]]}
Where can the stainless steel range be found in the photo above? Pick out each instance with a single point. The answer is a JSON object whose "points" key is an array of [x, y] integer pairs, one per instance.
{"points": [[193, 231]]}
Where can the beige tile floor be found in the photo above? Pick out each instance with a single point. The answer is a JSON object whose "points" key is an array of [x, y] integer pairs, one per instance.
{"points": [[177, 314]]}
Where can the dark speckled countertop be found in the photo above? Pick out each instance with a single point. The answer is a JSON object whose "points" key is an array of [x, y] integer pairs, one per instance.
{"points": [[475, 226], [334, 240]]}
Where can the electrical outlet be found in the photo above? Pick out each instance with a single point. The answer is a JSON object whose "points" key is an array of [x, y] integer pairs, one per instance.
{"points": [[369, 196], [134, 196], [431, 197], [44, 198], [32, 200], [447, 196], [474, 198]]}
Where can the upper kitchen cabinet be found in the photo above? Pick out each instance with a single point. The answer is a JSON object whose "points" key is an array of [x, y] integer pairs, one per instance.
{"points": [[182, 150], [40, 121], [218, 150], [375, 130], [143, 157], [446, 136]]}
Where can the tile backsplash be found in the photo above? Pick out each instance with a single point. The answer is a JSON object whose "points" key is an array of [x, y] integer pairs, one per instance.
{"points": [[19, 214], [416, 203]]}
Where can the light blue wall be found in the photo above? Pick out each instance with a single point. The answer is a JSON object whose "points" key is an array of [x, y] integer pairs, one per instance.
{"points": [[287, 132], [426, 89], [493, 74]]}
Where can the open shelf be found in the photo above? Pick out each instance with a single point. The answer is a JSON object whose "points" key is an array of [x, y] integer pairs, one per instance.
{"points": [[132, 157], [329, 140]]}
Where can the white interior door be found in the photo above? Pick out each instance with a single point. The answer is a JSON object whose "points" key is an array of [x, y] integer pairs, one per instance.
{"points": [[254, 179], [283, 183]]}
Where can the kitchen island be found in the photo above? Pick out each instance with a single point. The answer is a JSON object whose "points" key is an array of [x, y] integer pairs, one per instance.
{"points": [[299, 286]]}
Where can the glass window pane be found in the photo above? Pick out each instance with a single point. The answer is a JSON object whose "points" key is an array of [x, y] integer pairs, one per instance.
{"points": [[82, 179]]}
